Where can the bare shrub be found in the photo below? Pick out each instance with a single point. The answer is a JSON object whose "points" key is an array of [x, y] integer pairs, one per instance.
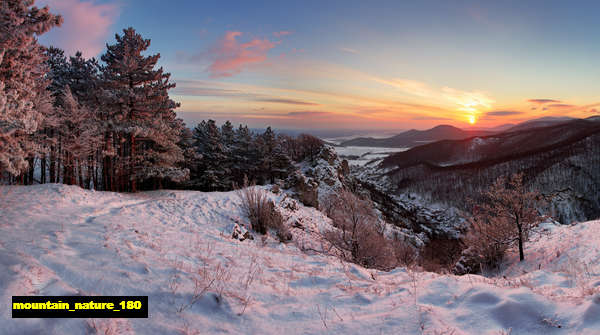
{"points": [[262, 212], [357, 237], [309, 146], [277, 222], [440, 254], [206, 279], [404, 253]]}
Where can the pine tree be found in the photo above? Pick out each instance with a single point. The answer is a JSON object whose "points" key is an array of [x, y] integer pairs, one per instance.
{"points": [[74, 86], [143, 127], [73, 120], [21, 79], [227, 134], [281, 159], [244, 155], [210, 171], [267, 151]]}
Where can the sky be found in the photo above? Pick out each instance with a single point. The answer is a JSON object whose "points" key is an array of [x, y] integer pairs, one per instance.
{"points": [[357, 64]]}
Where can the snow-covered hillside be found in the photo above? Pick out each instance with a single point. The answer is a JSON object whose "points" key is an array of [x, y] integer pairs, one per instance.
{"points": [[175, 245]]}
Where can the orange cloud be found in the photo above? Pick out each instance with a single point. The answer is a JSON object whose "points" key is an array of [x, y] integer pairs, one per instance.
{"points": [[230, 57], [466, 101]]}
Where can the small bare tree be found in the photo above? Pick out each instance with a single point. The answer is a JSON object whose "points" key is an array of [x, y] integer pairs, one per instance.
{"points": [[357, 237], [505, 217]]}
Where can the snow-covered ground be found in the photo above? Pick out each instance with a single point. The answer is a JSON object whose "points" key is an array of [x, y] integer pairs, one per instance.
{"points": [[62, 240], [364, 154], [338, 140]]}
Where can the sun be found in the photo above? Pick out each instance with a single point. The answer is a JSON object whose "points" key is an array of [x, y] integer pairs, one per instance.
{"points": [[472, 119]]}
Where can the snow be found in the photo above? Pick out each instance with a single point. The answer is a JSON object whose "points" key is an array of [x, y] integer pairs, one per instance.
{"points": [[365, 154], [338, 140], [62, 240]]}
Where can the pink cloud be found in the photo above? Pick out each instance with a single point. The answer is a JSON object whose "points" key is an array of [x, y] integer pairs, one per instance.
{"points": [[281, 33], [231, 57], [86, 25]]}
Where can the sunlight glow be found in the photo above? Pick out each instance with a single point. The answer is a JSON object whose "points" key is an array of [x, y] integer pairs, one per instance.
{"points": [[472, 119]]}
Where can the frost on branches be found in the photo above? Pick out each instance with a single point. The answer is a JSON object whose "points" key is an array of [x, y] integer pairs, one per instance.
{"points": [[143, 127], [21, 79]]}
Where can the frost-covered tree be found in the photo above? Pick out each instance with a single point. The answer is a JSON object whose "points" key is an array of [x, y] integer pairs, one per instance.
{"points": [[143, 128], [22, 71], [282, 161], [227, 134], [74, 86], [506, 216], [210, 172], [74, 131], [267, 144], [244, 155], [309, 146]]}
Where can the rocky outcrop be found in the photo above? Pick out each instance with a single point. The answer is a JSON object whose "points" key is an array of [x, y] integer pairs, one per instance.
{"points": [[410, 213], [469, 262], [306, 188], [241, 233], [315, 180]]}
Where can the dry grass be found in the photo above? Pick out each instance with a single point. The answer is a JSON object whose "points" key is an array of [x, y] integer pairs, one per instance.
{"points": [[255, 205], [262, 212]]}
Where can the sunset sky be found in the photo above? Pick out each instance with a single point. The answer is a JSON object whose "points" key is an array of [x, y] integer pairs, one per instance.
{"points": [[358, 64]]}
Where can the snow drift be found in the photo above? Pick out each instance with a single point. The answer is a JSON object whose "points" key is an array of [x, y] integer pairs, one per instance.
{"points": [[176, 248]]}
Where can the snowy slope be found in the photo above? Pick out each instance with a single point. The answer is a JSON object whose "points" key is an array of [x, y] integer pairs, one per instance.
{"points": [[62, 240]]}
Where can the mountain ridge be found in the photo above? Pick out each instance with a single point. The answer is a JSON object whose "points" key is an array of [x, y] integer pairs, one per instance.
{"points": [[413, 137]]}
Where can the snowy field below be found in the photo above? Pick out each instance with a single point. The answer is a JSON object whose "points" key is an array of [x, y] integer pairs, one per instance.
{"points": [[362, 155], [176, 248]]}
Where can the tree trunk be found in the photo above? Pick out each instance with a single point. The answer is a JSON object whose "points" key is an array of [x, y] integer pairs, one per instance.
{"points": [[43, 169], [90, 172], [58, 161], [132, 163], [80, 172], [31, 170], [521, 254], [96, 164]]}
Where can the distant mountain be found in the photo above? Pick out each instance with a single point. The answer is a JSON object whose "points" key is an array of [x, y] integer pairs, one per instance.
{"points": [[595, 118], [560, 161], [495, 129], [541, 122], [412, 138], [492, 147]]}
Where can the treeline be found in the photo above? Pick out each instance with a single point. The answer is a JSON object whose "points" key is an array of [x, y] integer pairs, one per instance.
{"points": [[219, 158], [109, 124]]}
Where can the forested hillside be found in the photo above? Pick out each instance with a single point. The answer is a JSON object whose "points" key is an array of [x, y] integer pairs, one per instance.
{"points": [[560, 161]]}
